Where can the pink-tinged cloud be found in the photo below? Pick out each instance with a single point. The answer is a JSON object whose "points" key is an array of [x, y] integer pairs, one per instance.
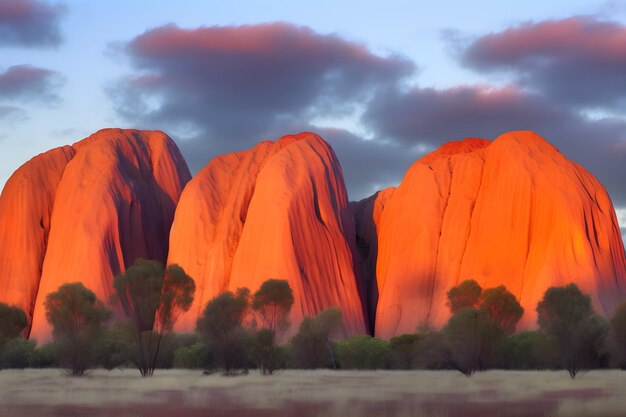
{"points": [[30, 23], [229, 86], [579, 61], [25, 82], [430, 115], [434, 116]]}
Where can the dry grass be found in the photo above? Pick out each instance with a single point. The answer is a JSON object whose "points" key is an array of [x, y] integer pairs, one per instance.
{"points": [[312, 393]]}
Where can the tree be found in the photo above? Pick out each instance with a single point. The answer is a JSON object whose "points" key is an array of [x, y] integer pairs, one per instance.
{"points": [[471, 339], [502, 307], [112, 350], [524, 350], [152, 298], [618, 327], [310, 345], [404, 350], [196, 356], [16, 353], [362, 352], [43, 357], [221, 325], [273, 303], [77, 318], [464, 295], [12, 322], [575, 333]]}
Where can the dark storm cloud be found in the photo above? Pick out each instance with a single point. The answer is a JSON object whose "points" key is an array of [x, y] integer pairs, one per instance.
{"points": [[234, 84], [28, 83], [30, 23], [579, 61], [432, 116]]}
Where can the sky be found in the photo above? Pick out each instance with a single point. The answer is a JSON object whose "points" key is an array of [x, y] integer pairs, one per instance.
{"points": [[382, 82]]}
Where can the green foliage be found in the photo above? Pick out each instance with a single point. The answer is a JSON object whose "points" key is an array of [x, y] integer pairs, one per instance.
{"points": [[152, 298], [362, 352], [221, 325], [502, 307], [525, 350], [310, 346], [112, 349], [196, 356], [171, 342], [43, 357], [404, 350], [266, 354], [273, 302], [77, 318], [16, 353], [12, 322], [576, 335], [431, 352], [618, 335], [464, 295], [471, 339]]}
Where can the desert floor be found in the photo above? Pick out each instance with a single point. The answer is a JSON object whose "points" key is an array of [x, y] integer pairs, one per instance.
{"points": [[123, 393]]}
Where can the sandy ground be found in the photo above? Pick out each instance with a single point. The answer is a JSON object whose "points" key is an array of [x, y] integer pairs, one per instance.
{"points": [[312, 393]]}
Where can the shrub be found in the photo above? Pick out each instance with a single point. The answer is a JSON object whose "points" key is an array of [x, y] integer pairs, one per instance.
{"points": [[16, 353], [362, 352], [310, 346], [112, 349], [404, 350], [525, 350], [577, 337], [471, 340], [221, 325], [195, 356], [43, 357], [12, 322], [77, 318]]}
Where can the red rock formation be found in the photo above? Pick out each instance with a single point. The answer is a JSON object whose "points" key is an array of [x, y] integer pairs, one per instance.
{"points": [[367, 213], [514, 212], [25, 209], [115, 202], [279, 210]]}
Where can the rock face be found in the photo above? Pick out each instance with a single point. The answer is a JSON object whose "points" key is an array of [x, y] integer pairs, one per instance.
{"points": [[514, 212], [25, 210], [367, 213], [111, 197], [279, 210]]}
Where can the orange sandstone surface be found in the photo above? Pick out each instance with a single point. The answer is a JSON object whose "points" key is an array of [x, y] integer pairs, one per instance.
{"points": [[512, 212], [279, 210], [111, 197]]}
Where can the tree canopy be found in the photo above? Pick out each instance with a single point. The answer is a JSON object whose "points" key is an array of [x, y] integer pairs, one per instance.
{"points": [[152, 298], [12, 322], [77, 318]]}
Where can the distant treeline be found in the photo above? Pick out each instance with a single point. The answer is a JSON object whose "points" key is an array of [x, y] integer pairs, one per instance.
{"points": [[239, 331]]}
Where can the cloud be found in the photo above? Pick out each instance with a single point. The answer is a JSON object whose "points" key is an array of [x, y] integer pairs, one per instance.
{"points": [[234, 84], [368, 165], [11, 114], [30, 23], [578, 61], [28, 83], [428, 116]]}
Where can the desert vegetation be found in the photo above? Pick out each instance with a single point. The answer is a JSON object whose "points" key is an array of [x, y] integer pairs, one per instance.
{"points": [[239, 331]]}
